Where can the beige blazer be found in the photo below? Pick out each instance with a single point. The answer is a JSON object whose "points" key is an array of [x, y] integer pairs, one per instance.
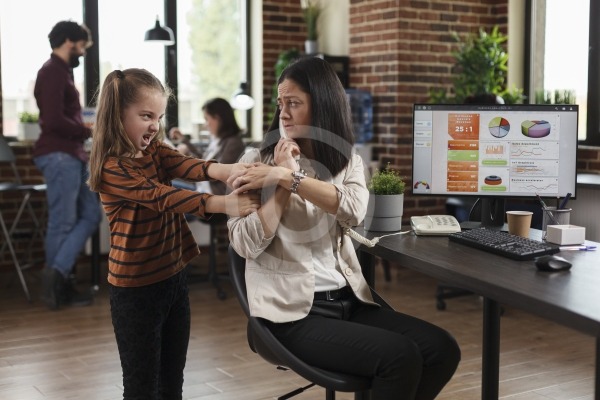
{"points": [[279, 270]]}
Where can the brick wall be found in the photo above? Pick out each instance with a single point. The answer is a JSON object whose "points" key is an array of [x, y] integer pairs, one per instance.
{"points": [[283, 29], [588, 159], [398, 51]]}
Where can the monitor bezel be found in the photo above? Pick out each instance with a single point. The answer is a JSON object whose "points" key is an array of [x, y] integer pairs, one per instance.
{"points": [[494, 107]]}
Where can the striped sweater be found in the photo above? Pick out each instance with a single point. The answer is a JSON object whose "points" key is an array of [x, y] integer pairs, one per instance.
{"points": [[149, 238]]}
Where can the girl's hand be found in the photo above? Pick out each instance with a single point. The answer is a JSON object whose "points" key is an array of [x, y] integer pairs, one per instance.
{"points": [[238, 169], [257, 176], [240, 205], [286, 153]]}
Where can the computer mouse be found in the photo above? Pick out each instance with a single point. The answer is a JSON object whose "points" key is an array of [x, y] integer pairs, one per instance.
{"points": [[552, 263]]}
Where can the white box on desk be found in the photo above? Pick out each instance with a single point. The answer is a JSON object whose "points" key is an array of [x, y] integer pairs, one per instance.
{"points": [[565, 234]]}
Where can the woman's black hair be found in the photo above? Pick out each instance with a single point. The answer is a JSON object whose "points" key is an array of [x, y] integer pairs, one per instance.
{"points": [[332, 132], [220, 108]]}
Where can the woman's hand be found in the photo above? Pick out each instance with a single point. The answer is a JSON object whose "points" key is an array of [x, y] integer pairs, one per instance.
{"points": [[256, 177], [175, 135], [286, 153]]}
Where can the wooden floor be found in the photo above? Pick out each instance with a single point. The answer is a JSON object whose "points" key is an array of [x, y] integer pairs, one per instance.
{"points": [[71, 353]]}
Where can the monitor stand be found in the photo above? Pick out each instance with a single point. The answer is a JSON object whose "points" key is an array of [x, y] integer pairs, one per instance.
{"points": [[492, 215]]}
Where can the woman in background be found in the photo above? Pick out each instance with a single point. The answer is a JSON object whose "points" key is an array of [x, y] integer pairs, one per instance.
{"points": [[226, 145]]}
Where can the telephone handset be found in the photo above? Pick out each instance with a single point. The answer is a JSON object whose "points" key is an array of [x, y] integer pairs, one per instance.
{"points": [[434, 225]]}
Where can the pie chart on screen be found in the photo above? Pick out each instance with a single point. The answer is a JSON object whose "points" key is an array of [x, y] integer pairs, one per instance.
{"points": [[535, 129], [499, 127]]}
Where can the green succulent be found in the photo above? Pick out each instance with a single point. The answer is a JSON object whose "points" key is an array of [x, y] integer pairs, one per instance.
{"points": [[29, 117], [386, 182]]}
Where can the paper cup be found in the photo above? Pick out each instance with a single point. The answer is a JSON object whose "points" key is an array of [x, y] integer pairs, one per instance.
{"points": [[519, 222]]}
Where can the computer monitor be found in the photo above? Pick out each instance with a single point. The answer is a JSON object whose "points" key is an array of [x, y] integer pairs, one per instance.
{"points": [[495, 152]]}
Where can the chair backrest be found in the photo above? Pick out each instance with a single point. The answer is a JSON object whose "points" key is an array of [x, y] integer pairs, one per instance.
{"points": [[264, 343], [8, 156]]}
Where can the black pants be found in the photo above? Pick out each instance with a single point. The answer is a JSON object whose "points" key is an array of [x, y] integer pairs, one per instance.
{"points": [[152, 327], [407, 358]]}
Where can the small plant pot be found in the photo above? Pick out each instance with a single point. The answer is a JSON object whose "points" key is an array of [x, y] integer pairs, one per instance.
{"points": [[29, 131], [311, 46], [384, 213]]}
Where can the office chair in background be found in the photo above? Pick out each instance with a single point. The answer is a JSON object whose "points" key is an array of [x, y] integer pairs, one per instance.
{"points": [[16, 231], [266, 345]]}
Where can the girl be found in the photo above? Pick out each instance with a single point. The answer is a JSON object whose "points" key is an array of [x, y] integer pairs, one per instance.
{"points": [[303, 272], [151, 243]]}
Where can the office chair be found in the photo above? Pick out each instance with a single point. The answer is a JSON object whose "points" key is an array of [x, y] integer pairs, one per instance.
{"points": [[12, 233], [266, 345]]}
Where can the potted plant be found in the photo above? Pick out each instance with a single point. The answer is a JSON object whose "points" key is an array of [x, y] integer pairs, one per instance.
{"points": [[386, 201], [283, 60], [310, 12], [482, 66], [29, 128]]}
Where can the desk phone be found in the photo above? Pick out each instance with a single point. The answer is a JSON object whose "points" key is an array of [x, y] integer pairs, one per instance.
{"points": [[434, 225]]}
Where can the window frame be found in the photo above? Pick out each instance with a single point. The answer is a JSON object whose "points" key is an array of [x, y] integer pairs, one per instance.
{"points": [[92, 59], [593, 86]]}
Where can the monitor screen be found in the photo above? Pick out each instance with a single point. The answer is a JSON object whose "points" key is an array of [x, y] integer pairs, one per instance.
{"points": [[494, 150]]}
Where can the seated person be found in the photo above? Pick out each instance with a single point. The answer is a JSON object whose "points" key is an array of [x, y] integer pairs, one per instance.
{"points": [[302, 271], [226, 145]]}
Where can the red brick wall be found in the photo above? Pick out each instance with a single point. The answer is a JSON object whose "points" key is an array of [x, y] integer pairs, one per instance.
{"points": [[283, 29], [588, 159], [398, 51]]}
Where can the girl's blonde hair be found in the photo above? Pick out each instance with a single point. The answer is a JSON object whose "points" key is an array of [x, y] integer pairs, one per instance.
{"points": [[120, 90]]}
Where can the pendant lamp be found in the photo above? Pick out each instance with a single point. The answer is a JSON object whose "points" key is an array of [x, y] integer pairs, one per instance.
{"points": [[241, 99], [160, 34]]}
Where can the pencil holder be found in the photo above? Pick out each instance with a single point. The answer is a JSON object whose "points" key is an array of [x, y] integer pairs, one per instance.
{"points": [[554, 216]]}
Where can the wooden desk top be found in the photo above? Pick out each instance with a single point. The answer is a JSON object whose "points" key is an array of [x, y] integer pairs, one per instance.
{"points": [[571, 297]]}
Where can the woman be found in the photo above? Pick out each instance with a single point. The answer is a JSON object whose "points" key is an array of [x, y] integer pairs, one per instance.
{"points": [[226, 145], [302, 272]]}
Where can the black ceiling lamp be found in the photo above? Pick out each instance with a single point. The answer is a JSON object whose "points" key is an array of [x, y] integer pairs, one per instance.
{"points": [[160, 34], [241, 99]]}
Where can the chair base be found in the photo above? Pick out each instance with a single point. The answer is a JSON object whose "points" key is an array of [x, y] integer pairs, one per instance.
{"points": [[448, 292]]}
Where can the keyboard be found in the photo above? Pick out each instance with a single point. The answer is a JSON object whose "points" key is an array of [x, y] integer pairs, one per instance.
{"points": [[503, 243]]}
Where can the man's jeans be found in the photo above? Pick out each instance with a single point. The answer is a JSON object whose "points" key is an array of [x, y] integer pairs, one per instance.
{"points": [[73, 209]]}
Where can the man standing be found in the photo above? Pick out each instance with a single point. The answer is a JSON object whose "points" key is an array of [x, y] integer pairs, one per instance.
{"points": [[73, 210]]}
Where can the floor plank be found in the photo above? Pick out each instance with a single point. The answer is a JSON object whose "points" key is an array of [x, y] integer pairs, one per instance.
{"points": [[71, 353]]}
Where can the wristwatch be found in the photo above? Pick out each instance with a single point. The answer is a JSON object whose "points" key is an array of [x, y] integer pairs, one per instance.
{"points": [[297, 176]]}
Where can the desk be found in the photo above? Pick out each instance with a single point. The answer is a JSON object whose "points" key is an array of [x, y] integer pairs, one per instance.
{"points": [[570, 298]]}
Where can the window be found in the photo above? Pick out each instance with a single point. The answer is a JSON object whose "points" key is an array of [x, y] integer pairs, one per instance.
{"points": [[210, 39], [122, 42], [559, 57], [209, 59], [25, 48]]}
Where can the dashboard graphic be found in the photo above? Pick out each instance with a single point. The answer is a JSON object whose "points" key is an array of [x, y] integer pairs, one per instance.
{"points": [[535, 129], [499, 127]]}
